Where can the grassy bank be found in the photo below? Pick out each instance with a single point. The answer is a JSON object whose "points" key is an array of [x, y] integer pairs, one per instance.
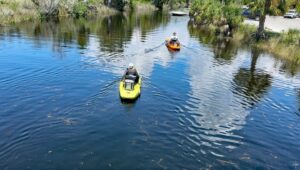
{"points": [[285, 45], [225, 19], [14, 11], [141, 7]]}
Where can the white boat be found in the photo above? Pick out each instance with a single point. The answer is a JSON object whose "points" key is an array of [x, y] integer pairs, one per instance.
{"points": [[178, 13]]}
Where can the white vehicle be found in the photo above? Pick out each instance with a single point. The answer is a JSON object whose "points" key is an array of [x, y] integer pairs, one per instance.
{"points": [[291, 14]]}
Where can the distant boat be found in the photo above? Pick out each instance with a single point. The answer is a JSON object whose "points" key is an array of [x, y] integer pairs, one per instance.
{"points": [[178, 13]]}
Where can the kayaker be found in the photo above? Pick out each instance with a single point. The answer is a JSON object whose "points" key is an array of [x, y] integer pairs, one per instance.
{"points": [[174, 38], [131, 71]]}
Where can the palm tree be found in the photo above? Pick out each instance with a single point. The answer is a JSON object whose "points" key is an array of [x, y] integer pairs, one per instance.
{"points": [[262, 18], [264, 7]]}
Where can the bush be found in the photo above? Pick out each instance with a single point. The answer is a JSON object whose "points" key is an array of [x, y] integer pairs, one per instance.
{"points": [[232, 13], [80, 9], [213, 12]]}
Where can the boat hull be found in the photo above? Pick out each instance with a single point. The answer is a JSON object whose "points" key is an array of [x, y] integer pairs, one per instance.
{"points": [[173, 46], [130, 94]]}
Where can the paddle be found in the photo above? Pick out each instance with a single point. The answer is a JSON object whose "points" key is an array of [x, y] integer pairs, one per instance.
{"points": [[152, 49]]}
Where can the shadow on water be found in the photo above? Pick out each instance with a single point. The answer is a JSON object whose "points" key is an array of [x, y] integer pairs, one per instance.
{"points": [[250, 82], [129, 102]]}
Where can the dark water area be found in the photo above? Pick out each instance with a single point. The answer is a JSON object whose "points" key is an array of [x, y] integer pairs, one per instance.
{"points": [[213, 105]]}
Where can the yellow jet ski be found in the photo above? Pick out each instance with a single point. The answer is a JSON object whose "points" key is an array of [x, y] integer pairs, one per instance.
{"points": [[129, 90]]}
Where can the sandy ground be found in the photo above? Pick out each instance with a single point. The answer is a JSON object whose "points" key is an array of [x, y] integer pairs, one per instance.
{"points": [[277, 23]]}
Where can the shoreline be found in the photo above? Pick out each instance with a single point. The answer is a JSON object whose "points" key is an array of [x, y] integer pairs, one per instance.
{"points": [[18, 11], [284, 45]]}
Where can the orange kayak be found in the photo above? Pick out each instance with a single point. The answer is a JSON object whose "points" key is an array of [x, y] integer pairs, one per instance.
{"points": [[173, 46]]}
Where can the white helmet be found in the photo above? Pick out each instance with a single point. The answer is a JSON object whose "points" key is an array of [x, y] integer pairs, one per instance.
{"points": [[130, 65]]}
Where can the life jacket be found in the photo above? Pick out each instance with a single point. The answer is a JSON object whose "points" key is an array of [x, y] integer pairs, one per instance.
{"points": [[131, 71]]}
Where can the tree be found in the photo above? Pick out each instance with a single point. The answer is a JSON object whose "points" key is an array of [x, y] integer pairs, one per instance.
{"points": [[262, 19], [264, 7]]}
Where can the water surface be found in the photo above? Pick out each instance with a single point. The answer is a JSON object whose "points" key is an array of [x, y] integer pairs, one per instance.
{"points": [[213, 104]]}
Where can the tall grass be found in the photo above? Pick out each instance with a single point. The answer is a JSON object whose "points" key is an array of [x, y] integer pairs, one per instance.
{"points": [[292, 37], [285, 45], [12, 11]]}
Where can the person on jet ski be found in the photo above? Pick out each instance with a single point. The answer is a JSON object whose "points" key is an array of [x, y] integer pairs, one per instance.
{"points": [[131, 73], [174, 38]]}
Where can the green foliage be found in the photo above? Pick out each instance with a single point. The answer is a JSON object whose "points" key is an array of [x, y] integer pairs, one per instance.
{"points": [[232, 13], [214, 12], [14, 5], [139, 1], [95, 2], [298, 8], [80, 9], [278, 7], [206, 11], [291, 37], [256, 6]]}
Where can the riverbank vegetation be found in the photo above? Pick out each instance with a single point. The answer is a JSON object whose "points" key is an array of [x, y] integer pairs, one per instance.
{"points": [[216, 14], [285, 45], [225, 17], [13, 11]]}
